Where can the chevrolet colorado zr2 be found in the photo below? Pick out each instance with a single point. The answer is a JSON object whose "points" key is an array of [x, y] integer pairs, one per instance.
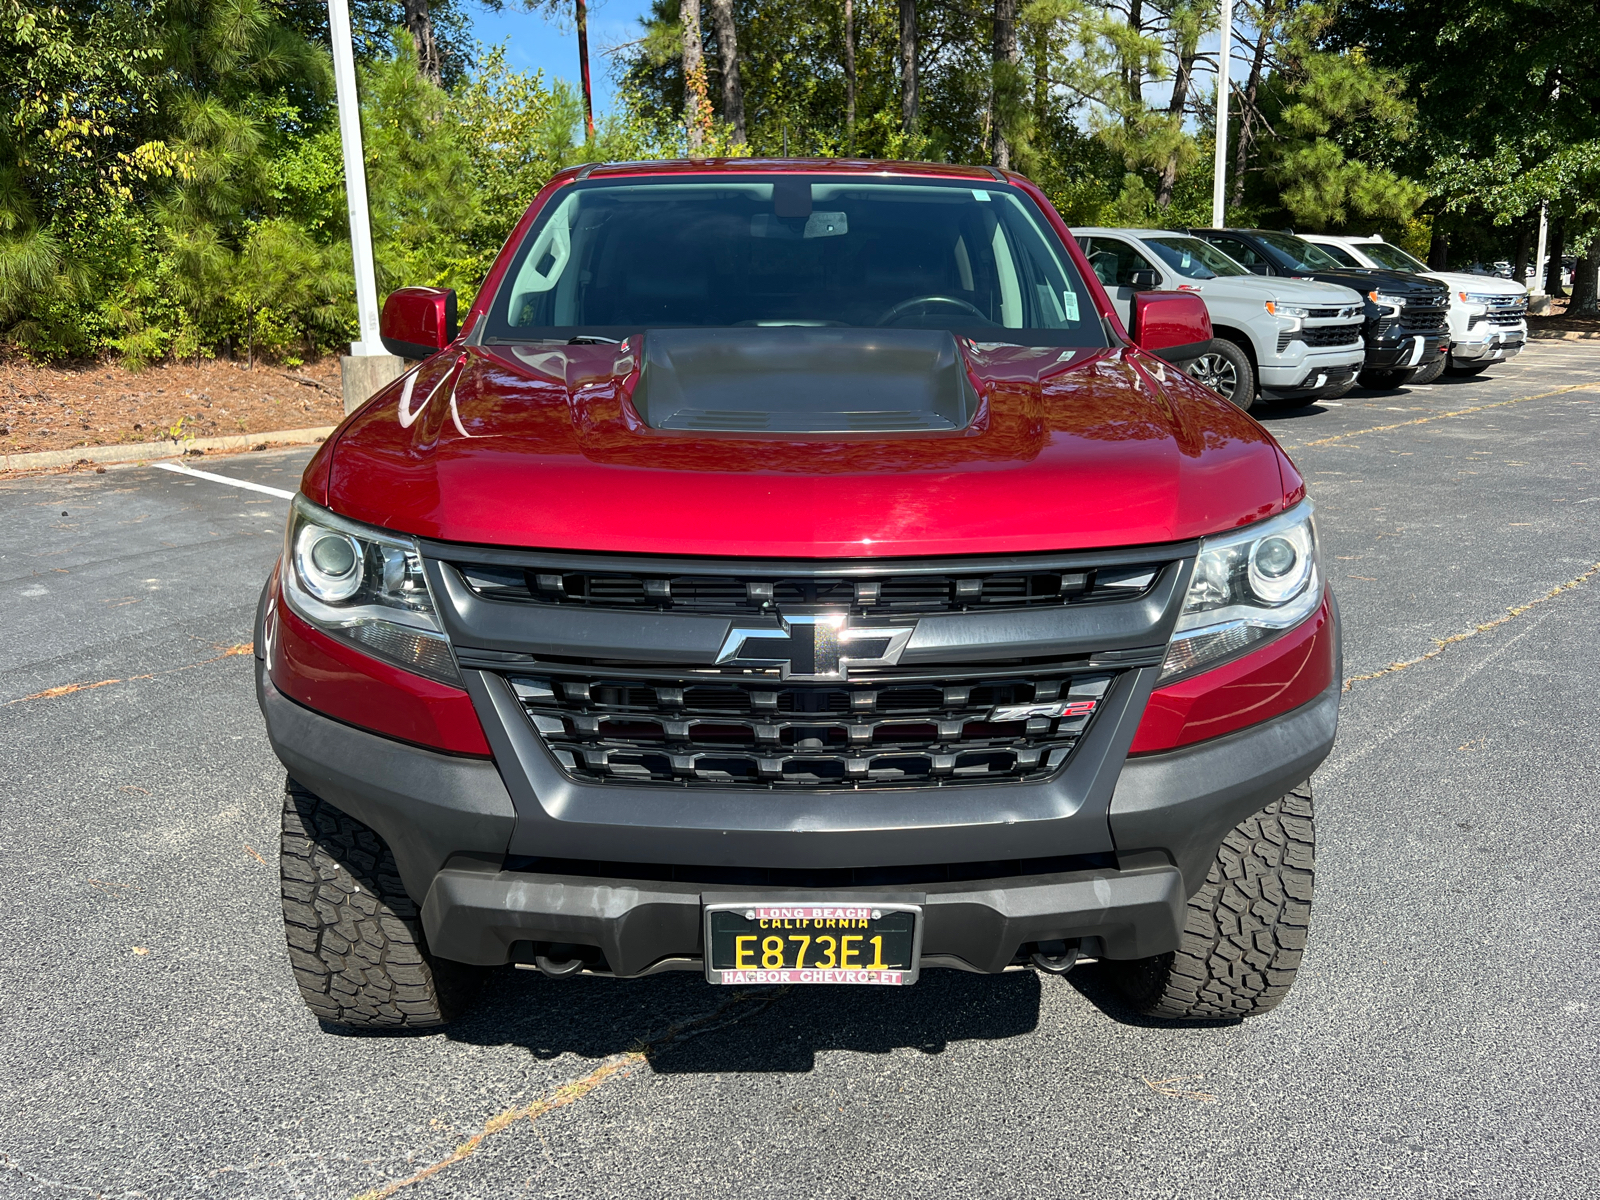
{"points": [[796, 572]]}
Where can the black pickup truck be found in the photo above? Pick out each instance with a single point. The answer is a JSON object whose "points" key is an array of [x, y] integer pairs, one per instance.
{"points": [[1407, 325]]}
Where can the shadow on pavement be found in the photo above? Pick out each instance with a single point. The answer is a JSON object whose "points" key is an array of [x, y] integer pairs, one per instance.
{"points": [[594, 1018], [1093, 982]]}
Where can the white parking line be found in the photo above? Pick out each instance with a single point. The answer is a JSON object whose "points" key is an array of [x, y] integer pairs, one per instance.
{"points": [[238, 483]]}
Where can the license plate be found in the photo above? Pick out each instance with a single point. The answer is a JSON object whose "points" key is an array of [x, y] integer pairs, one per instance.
{"points": [[813, 942]]}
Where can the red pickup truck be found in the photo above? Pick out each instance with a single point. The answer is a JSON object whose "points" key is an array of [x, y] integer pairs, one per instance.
{"points": [[794, 572]]}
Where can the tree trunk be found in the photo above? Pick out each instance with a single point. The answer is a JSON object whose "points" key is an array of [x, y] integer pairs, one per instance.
{"points": [[1180, 96], [850, 74], [1519, 260], [1133, 72], [1003, 74], [694, 74], [1247, 109], [1586, 283], [1439, 252], [1552, 275], [581, 17], [420, 22], [908, 65], [728, 64]]}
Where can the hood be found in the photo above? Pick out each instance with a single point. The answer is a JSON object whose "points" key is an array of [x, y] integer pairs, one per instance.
{"points": [[543, 447], [1290, 291], [1365, 280], [1484, 285]]}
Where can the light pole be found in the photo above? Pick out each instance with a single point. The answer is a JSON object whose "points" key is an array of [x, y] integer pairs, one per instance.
{"points": [[368, 366], [1219, 172]]}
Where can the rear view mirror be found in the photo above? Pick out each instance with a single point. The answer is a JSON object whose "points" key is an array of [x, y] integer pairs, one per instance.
{"points": [[1260, 269], [1172, 325], [418, 322], [1143, 281]]}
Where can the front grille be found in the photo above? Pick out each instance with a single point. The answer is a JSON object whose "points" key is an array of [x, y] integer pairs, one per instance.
{"points": [[1424, 320], [1507, 318], [760, 732], [1322, 336], [1325, 313], [908, 592]]}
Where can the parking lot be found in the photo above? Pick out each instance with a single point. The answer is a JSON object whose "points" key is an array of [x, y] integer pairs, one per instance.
{"points": [[1440, 1041]]}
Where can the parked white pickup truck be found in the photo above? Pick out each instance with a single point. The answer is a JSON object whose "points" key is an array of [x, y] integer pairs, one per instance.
{"points": [[1289, 341], [1488, 315]]}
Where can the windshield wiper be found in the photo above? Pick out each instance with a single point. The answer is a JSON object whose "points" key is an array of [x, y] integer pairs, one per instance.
{"points": [[593, 339]]}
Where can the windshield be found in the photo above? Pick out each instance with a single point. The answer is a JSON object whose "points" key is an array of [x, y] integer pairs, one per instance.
{"points": [[1194, 258], [1392, 257], [612, 257], [1302, 255]]}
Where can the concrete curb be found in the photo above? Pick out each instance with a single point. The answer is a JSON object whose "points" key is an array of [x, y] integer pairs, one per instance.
{"points": [[1562, 335], [144, 451]]}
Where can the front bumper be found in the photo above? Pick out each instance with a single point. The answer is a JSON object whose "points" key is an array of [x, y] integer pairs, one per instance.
{"points": [[1405, 349], [1494, 345], [452, 822], [1330, 366]]}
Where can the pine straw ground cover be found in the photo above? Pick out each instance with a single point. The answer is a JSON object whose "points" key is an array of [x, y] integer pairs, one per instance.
{"points": [[105, 404]]}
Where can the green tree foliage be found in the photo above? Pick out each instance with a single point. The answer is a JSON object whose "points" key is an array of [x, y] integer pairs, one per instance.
{"points": [[1508, 109], [171, 179]]}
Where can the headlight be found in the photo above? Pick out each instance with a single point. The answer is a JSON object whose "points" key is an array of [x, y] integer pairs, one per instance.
{"points": [[1287, 311], [364, 586], [1384, 300], [1247, 586]]}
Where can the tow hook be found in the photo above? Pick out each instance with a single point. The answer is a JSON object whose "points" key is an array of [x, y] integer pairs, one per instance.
{"points": [[1056, 957]]}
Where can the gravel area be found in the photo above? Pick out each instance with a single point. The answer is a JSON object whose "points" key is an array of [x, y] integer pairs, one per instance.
{"points": [[105, 404]]}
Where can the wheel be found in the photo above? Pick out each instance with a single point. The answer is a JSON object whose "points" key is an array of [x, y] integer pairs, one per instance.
{"points": [[1382, 381], [1226, 370], [1430, 372], [1246, 926], [1467, 368], [355, 938]]}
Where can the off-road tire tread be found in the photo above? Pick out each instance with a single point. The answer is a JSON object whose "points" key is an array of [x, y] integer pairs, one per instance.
{"points": [[1245, 929], [356, 944], [1431, 372]]}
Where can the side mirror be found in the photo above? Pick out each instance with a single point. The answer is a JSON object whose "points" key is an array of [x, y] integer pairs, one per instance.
{"points": [[1142, 281], [1260, 269], [1175, 326], [418, 322]]}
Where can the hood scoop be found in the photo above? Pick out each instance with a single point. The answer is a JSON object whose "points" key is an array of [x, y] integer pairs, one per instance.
{"points": [[804, 379]]}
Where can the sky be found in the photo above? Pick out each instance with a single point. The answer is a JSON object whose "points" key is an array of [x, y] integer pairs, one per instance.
{"points": [[535, 42]]}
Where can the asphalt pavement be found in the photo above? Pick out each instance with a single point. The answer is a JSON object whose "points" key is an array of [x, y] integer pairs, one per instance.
{"points": [[1440, 1042]]}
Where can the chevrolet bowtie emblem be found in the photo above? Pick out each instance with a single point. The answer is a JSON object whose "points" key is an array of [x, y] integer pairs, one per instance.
{"points": [[814, 646]]}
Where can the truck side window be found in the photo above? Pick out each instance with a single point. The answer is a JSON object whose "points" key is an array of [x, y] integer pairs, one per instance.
{"points": [[1338, 252], [1239, 252], [1115, 261]]}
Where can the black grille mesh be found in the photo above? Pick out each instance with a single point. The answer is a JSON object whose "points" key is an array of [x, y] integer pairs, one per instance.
{"points": [[1324, 335], [736, 732], [738, 593]]}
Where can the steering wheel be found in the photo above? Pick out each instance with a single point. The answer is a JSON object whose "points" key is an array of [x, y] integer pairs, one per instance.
{"points": [[905, 306]]}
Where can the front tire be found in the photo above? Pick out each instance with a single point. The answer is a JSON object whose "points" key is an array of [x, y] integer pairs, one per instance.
{"points": [[1430, 372], [1226, 369], [1246, 926], [355, 938], [1383, 381]]}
